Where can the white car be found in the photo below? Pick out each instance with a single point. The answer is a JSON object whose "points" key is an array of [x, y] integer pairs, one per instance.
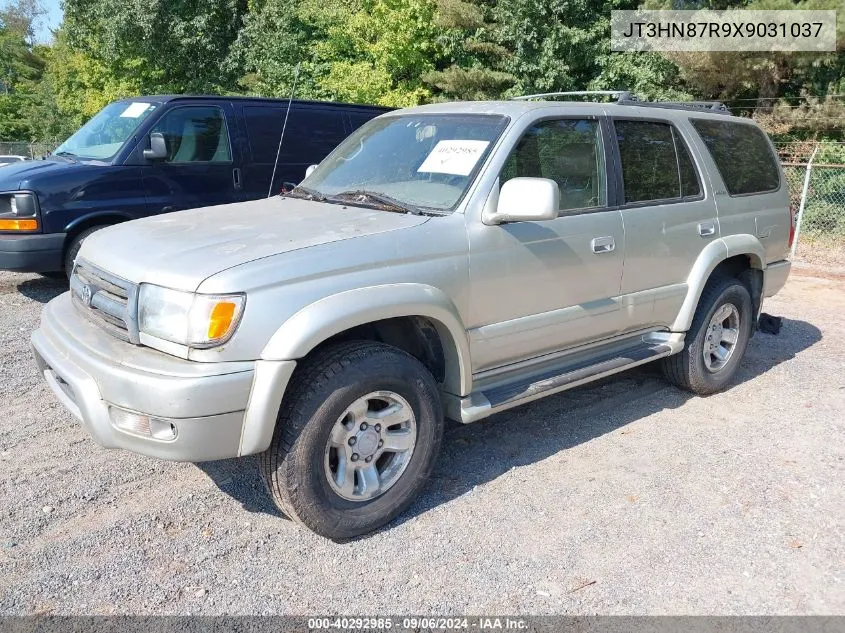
{"points": [[8, 159]]}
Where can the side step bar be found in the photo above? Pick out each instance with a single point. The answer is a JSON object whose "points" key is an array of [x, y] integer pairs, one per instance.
{"points": [[487, 401]]}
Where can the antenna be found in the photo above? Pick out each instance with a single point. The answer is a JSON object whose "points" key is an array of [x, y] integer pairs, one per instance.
{"points": [[284, 127]]}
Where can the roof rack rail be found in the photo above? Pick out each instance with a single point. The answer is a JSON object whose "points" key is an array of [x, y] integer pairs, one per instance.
{"points": [[716, 107], [624, 97], [621, 94]]}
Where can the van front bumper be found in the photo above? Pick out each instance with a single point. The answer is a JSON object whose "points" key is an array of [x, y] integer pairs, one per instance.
{"points": [[36, 253], [207, 410]]}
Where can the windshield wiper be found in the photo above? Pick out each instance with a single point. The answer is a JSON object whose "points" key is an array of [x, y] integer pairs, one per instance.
{"points": [[363, 197], [69, 155], [305, 193]]}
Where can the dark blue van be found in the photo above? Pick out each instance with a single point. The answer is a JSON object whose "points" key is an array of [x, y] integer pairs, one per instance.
{"points": [[149, 155]]}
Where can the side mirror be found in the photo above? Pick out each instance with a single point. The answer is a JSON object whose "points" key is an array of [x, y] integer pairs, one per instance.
{"points": [[310, 170], [158, 147], [526, 200]]}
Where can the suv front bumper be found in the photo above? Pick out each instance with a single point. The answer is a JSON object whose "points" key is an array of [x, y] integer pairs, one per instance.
{"points": [[217, 410]]}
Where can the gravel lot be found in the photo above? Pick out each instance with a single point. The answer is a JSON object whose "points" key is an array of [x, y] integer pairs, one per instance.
{"points": [[628, 496]]}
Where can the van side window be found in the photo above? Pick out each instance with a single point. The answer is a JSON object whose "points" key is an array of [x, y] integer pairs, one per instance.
{"points": [[656, 164], [568, 151], [195, 134], [742, 155], [310, 134]]}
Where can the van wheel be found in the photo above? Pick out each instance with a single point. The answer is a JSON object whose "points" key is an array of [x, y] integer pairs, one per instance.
{"points": [[716, 341], [358, 433], [74, 246]]}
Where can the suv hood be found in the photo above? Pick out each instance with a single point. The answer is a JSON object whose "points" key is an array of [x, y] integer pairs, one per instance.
{"points": [[181, 249]]}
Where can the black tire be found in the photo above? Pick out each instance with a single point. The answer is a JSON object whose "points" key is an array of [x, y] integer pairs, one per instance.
{"points": [[320, 391], [687, 369], [73, 248]]}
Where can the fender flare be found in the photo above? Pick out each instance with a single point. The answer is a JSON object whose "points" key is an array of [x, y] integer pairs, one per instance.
{"points": [[711, 256], [334, 314], [113, 215]]}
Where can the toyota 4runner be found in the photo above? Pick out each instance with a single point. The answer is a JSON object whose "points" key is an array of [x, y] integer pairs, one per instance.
{"points": [[451, 260]]}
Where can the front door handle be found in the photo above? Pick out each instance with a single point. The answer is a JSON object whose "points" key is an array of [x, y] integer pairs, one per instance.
{"points": [[706, 229], [236, 178], [603, 244]]}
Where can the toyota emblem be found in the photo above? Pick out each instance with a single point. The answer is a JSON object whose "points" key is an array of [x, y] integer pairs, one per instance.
{"points": [[86, 295]]}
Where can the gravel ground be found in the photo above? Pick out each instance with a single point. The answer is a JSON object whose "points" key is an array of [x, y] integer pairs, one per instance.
{"points": [[627, 496]]}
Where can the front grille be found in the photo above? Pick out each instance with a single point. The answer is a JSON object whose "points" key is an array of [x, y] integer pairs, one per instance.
{"points": [[108, 301]]}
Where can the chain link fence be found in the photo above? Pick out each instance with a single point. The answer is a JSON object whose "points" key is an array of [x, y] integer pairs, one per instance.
{"points": [[27, 149], [815, 172]]}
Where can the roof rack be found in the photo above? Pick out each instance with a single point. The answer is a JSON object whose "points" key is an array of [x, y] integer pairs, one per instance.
{"points": [[716, 107], [624, 97], [622, 94]]}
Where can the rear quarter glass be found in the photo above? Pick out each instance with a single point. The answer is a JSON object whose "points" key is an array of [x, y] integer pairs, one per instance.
{"points": [[742, 155]]}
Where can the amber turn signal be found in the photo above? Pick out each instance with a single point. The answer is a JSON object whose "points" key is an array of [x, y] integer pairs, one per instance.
{"points": [[18, 225], [221, 319]]}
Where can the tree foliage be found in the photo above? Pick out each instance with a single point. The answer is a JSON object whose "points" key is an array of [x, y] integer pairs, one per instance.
{"points": [[388, 52]]}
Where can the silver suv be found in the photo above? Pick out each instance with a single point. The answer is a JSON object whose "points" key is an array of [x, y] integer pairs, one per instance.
{"points": [[452, 260]]}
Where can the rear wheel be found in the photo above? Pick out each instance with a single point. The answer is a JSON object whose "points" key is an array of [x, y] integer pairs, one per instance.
{"points": [[357, 437], [716, 341], [74, 246]]}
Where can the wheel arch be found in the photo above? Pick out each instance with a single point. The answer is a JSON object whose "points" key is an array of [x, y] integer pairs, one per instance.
{"points": [[736, 255], [381, 309]]}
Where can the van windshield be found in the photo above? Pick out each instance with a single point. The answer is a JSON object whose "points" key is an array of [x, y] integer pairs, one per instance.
{"points": [[103, 136], [413, 161]]}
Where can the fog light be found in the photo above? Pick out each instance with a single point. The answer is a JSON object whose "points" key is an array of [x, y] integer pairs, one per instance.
{"points": [[144, 425]]}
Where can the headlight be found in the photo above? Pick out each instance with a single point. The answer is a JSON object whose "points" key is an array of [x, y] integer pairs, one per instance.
{"points": [[18, 211], [187, 318]]}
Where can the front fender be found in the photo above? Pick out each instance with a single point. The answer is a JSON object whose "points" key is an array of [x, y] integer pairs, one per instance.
{"points": [[711, 256], [337, 313]]}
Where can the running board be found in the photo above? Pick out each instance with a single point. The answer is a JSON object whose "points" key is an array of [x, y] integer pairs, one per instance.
{"points": [[490, 400]]}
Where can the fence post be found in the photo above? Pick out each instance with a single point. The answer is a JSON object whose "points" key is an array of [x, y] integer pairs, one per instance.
{"points": [[803, 202]]}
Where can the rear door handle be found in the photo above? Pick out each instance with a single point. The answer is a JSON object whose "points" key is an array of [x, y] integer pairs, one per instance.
{"points": [[236, 177], [706, 229], [603, 244]]}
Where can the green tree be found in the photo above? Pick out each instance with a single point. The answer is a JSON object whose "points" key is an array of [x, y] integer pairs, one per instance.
{"points": [[157, 45]]}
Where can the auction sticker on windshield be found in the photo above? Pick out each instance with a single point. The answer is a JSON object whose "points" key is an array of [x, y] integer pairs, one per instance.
{"points": [[134, 110], [453, 157]]}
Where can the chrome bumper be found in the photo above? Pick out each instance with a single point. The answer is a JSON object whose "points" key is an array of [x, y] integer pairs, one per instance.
{"points": [[217, 410]]}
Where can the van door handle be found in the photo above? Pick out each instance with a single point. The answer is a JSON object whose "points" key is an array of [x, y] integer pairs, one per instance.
{"points": [[236, 177], [706, 229], [603, 244]]}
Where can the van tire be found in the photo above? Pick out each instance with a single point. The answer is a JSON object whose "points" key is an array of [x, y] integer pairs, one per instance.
{"points": [[75, 244], [295, 466], [687, 369]]}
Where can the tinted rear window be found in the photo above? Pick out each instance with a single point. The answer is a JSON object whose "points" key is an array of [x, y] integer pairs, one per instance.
{"points": [[311, 133], [742, 155]]}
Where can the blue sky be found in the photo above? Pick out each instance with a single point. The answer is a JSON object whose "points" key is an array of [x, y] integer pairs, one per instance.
{"points": [[51, 20]]}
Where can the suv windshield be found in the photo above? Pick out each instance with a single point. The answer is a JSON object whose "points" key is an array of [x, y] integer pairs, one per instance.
{"points": [[409, 161], [103, 136]]}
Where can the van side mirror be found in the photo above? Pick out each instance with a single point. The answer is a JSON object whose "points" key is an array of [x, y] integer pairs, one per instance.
{"points": [[310, 170], [526, 200], [158, 147]]}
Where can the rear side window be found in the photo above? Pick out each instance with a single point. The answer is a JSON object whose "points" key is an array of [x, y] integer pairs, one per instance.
{"points": [[311, 133], [742, 155], [656, 164]]}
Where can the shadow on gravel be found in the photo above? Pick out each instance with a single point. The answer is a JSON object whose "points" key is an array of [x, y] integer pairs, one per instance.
{"points": [[479, 453], [43, 289], [240, 479]]}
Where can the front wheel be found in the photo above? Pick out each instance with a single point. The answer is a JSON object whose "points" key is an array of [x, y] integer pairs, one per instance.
{"points": [[716, 341], [75, 245], [357, 437]]}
